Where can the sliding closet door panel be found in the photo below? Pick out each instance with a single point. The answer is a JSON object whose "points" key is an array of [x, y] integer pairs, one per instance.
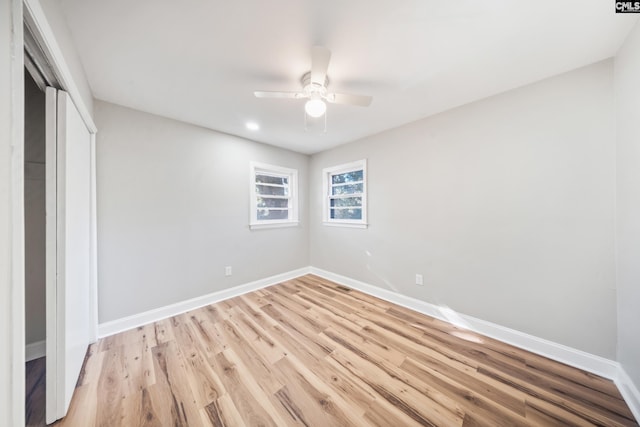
{"points": [[74, 247]]}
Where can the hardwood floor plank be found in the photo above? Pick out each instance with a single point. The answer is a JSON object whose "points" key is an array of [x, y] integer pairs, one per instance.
{"points": [[172, 375], [419, 349], [112, 385], [493, 410], [258, 367], [355, 392], [465, 388], [223, 413], [378, 412], [298, 331], [305, 403], [309, 352], [203, 381], [566, 403], [263, 343], [86, 397], [539, 412], [292, 406], [90, 373], [208, 335], [355, 335], [332, 402], [132, 412], [163, 331], [569, 374], [253, 405], [427, 405], [163, 404]]}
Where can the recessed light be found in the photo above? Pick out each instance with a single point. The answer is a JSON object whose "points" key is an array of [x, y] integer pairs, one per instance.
{"points": [[252, 126]]}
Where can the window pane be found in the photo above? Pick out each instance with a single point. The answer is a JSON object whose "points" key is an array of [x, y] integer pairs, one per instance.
{"points": [[347, 189], [352, 176], [269, 190], [346, 202], [355, 213], [267, 202], [267, 214], [267, 179]]}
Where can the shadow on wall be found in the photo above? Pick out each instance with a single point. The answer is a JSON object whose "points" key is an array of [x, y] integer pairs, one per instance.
{"points": [[444, 311]]}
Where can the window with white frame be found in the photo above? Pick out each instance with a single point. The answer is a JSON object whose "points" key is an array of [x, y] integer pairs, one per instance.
{"points": [[274, 196], [345, 194]]}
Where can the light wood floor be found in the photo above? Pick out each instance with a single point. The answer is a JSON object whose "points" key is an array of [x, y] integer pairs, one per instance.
{"points": [[309, 352]]}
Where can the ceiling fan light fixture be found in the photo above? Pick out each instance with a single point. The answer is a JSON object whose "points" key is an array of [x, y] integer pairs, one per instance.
{"points": [[315, 107], [314, 89]]}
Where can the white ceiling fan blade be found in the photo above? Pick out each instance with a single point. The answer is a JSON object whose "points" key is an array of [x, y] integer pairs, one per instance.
{"points": [[320, 57], [343, 98], [267, 94]]}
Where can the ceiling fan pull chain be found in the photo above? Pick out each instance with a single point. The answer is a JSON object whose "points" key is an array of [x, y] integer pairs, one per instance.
{"points": [[325, 121]]}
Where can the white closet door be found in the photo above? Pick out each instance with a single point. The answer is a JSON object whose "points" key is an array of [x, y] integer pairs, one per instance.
{"points": [[69, 297]]}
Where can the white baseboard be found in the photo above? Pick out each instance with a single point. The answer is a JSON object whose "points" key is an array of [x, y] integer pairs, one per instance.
{"points": [[629, 391], [580, 359], [130, 322], [35, 350]]}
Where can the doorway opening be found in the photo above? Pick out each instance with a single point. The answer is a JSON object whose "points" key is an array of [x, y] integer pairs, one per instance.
{"points": [[37, 76], [35, 249]]}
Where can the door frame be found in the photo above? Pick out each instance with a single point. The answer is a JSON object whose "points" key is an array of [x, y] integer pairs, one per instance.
{"points": [[12, 281]]}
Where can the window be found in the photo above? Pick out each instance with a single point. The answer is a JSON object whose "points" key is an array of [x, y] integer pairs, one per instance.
{"points": [[345, 195], [274, 196]]}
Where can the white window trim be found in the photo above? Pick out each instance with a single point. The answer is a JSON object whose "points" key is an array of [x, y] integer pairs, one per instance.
{"points": [[326, 188], [254, 222]]}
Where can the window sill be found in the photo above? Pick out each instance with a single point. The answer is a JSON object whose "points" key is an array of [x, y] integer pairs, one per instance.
{"points": [[345, 224], [260, 226]]}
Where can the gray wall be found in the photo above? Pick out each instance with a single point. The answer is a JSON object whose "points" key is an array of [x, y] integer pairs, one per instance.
{"points": [[627, 70], [34, 212], [506, 206], [173, 211]]}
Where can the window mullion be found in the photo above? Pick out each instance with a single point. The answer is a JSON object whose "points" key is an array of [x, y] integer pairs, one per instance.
{"points": [[342, 184], [345, 196], [264, 184]]}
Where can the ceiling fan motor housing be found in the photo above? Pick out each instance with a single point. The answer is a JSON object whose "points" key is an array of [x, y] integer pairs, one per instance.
{"points": [[311, 88]]}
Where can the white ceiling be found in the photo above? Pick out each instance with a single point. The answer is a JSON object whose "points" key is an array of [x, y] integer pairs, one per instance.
{"points": [[199, 61]]}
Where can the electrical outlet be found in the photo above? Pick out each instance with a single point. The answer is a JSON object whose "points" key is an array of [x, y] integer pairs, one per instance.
{"points": [[419, 279], [228, 271]]}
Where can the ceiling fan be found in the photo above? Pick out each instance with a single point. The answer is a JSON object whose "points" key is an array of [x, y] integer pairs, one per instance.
{"points": [[314, 87]]}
